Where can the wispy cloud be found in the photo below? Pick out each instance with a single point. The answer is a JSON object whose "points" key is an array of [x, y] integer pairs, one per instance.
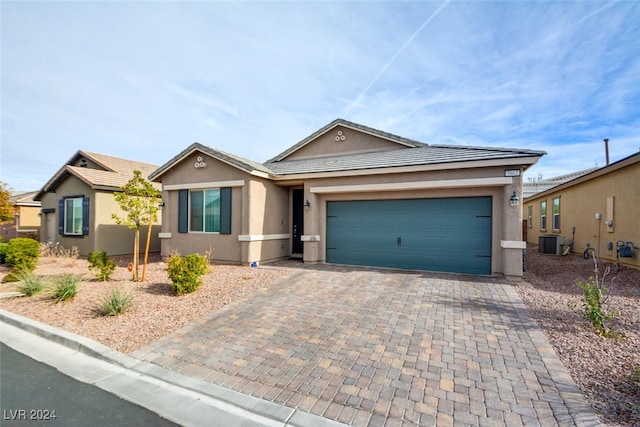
{"points": [[143, 80]]}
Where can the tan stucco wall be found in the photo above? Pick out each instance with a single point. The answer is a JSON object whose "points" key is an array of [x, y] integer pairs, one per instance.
{"points": [[259, 212], [104, 234], [354, 141], [29, 217], [505, 218], [262, 211], [579, 205]]}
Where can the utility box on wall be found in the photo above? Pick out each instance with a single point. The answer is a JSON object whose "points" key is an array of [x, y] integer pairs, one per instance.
{"points": [[550, 244]]}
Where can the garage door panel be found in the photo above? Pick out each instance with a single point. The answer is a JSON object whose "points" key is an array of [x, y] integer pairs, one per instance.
{"points": [[430, 234]]}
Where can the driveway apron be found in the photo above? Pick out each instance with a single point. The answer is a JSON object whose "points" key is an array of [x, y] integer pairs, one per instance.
{"points": [[379, 347]]}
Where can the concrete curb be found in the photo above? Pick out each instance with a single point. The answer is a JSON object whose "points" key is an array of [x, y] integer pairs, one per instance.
{"points": [[174, 396]]}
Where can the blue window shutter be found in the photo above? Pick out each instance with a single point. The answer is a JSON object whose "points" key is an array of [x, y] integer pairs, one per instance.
{"points": [[183, 211], [225, 210], [85, 216], [61, 216]]}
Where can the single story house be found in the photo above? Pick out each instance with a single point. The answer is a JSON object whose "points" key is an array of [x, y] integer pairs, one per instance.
{"points": [[598, 210], [350, 194], [26, 219], [77, 204]]}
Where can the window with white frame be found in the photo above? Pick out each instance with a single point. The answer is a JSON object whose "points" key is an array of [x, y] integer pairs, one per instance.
{"points": [[530, 216], [204, 211], [556, 214], [543, 215], [73, 216]]}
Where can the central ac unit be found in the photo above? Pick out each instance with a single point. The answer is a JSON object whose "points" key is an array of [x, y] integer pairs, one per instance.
{"points": [[550, 244]]}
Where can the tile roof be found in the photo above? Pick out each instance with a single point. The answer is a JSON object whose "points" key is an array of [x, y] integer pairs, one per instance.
{"points": [[24, 198], [416, 156], [116, 172]]}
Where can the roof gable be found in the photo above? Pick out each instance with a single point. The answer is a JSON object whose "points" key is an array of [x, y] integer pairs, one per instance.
{"points": [[341, 137], [98, 171], [629, 161], [245, 165]]}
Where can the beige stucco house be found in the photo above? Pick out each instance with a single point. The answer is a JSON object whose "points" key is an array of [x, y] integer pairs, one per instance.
{"points": [[350, 194], [78, 203], [597, 210], [26, 219]]}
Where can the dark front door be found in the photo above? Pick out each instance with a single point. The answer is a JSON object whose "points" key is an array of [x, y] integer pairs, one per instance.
{"points": [[298, 222]]}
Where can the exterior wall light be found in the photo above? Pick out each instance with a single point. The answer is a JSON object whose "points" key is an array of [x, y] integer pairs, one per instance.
{"points": [[307, 204], [514, 200]]}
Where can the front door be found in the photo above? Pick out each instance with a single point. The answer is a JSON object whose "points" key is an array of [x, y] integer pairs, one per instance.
{"points": [[298, 222], [50, 227]]}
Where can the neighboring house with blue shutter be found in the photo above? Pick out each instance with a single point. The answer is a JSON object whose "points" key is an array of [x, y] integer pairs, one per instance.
{"points": [[350, 194], [77, 204]]}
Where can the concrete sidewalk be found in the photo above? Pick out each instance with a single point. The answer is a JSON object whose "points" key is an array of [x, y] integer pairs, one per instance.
{"points": [[184, 400]]}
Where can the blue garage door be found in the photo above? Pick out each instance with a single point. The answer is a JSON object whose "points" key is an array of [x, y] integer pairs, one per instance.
{"points": [[452, 234]]}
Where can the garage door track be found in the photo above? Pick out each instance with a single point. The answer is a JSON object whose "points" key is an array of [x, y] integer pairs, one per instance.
{"points": [[378, 347]]}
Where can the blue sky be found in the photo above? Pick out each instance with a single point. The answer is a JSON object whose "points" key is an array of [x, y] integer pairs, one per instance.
{"points": [[143, 80]]}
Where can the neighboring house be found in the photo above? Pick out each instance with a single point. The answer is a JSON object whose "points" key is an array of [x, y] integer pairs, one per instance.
{"points": [[350, 194], [533, 187], [78, 203], [26, 220], [596, 210]]}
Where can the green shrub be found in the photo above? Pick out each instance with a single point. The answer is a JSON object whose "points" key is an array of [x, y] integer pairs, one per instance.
{"points": [[30, 284], [3, 252], [22, 253], [100, 261], [115, 302], [185, 272], [593, 294], [65, 287]]}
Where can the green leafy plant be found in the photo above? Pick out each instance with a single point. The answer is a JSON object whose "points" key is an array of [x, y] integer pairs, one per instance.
{"points": [[594, 294], [30, 284], [115, 302], [100, 261], [22, 254], [186, 272], [3, 252], [65, 287]]}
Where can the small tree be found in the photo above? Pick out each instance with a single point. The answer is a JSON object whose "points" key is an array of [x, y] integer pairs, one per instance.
{"points": [[595, 295], [140, 201], [6, 207]]}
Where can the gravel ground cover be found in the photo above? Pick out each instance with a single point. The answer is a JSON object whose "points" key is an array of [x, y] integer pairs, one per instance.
{"points": [[606, 369], [155, 312]]}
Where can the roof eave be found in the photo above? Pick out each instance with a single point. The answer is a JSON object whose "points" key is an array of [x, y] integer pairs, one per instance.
{"points": [[524, 162], [627, 161]]}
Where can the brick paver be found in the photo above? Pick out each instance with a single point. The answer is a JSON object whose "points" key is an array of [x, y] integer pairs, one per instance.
{"points": [[383, 348]]}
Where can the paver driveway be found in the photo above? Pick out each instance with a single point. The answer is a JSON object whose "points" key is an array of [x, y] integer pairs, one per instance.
{"points": [[375, 347]]}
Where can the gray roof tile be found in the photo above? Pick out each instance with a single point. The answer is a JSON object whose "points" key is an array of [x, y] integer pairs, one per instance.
{"points": [[422, 155]]}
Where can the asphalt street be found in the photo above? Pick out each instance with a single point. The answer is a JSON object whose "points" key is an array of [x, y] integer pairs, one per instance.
{"points": [[34, 394]]}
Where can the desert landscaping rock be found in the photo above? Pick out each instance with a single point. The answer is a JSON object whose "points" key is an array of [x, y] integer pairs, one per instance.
{"points": [[603, 368]]}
